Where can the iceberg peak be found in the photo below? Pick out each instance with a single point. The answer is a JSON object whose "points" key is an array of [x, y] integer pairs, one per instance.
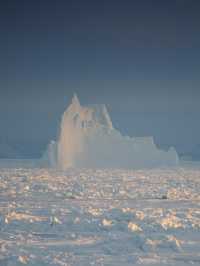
{"points": [[75, 101]]}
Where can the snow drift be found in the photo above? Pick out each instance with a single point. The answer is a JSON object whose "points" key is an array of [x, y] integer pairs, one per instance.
{"points": [[87, 139]]}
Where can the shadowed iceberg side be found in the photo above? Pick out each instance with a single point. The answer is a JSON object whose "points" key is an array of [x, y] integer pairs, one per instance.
{"points": [[87, 139]]}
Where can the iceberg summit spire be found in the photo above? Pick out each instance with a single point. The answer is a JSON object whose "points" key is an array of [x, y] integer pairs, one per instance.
{"points": [[75, 101], [87, 139]]}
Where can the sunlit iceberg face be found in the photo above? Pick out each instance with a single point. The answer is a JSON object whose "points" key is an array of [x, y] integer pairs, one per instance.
{"points": [[87, 138]]}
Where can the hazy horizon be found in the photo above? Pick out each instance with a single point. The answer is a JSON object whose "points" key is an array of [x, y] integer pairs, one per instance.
{"points": [[141, 59]]}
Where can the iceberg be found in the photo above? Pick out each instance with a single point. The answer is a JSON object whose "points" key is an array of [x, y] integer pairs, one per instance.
{"points": [[87, 139]]}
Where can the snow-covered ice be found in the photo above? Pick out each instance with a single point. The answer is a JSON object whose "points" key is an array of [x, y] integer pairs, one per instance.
{"points": [[99, 217], [88, 139]]}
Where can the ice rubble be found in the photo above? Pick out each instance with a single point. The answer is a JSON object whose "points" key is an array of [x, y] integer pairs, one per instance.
{"points": [[87, 139], [80, 217]]}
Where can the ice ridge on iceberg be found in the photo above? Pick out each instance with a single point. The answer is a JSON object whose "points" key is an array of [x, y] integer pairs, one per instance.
{"points": [[87, 139]]}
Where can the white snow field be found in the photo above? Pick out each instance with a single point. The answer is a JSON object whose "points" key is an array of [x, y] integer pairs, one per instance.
{"points": [[99, 217]]}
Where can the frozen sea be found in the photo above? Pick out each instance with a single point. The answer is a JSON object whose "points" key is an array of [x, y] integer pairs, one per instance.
{"points": [[99, 217]]}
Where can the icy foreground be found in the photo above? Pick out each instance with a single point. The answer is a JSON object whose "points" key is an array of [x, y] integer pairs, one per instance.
{"points": [[99, 217], [88, 139]]}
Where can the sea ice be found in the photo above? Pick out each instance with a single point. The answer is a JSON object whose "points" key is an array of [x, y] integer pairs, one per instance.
{"points": [[73, 218]]}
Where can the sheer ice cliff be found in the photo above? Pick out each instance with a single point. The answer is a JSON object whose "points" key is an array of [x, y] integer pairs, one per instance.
{"points": [[87, 139]]}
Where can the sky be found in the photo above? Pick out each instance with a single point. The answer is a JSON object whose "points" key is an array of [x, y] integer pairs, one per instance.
{"points": [[141, 58]]}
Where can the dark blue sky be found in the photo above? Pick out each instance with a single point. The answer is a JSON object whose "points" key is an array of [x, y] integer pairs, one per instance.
{"points": [[141, 58]]}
